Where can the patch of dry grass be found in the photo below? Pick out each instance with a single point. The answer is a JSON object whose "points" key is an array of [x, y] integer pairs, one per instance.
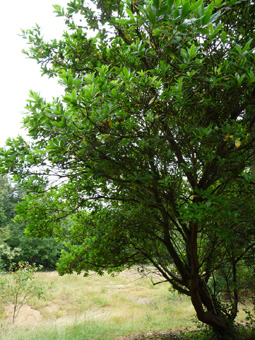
{"points": [[125, 303], [124, 297], [126, 300]]}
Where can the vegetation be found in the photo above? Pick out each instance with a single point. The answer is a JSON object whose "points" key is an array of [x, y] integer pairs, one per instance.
{"points": [[15, 247], [106, 307], [151, 149], [8, 197], [7, 200], [97, 305], [41, 252], [20, 287]]}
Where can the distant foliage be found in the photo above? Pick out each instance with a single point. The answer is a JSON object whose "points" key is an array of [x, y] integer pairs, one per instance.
{"points": [[8, 256], [15, 247], [42, 252]]}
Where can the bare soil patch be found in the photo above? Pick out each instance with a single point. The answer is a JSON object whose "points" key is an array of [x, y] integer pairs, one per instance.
{"points": [[27, 315]]}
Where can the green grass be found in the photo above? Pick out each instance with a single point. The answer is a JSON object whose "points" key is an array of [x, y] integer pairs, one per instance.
{"points": [[90, 330], [102, 308]]}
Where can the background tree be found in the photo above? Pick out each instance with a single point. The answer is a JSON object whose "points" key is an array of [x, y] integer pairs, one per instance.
{"points": [[8, 198], [7, 212], [150, 150], [43, 252], [15, 247]]}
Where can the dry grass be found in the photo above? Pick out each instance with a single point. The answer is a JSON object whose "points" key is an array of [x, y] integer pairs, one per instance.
{"points": [[106, 307], [126, 296], [126, 301]]}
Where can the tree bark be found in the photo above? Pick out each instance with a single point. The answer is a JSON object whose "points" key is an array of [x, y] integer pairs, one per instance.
{"points": [[200, 298]]}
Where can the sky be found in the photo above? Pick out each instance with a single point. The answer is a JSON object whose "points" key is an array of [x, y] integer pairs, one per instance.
{"points": [[19, 74]]}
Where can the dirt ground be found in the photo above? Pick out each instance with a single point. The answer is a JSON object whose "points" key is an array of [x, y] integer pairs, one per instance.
{"points": [[26, 317]]}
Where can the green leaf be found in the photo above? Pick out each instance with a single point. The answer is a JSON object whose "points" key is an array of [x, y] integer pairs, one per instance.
{"points": [[223, 36], [74, 94], [59, 10], [170, 3], [131, 15], [196, 5], [208, 13], [163, 10], [192, 51], [251, 76], [247, 45], [124, 21], [156, 3], [214, 17], [186, 9], [184, 54], [151, 16], [218, 2]]}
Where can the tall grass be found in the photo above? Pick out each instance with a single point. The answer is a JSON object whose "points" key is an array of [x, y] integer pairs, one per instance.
{"points": [[102, 308]]}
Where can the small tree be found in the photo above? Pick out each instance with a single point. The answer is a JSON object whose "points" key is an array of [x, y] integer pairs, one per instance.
{"points": [[20, 287], [152, 143]]}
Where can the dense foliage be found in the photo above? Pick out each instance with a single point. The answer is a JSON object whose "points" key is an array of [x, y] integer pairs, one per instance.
{"points": [[15, 247], [7, 200], [43, 252], [151, 149]]}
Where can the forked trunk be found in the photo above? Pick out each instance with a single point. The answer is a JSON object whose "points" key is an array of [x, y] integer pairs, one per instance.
{"points": [[220, 324], [199, 292]]}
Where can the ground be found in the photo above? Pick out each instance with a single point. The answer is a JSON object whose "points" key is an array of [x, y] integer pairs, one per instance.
{"points": [[163, 335]]}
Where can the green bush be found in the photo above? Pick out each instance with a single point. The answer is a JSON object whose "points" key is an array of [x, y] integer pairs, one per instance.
{"points": [[8, 256], [42, 252]]}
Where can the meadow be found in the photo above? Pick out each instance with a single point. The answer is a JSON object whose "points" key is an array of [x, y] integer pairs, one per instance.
{"points": [[99, 308]]}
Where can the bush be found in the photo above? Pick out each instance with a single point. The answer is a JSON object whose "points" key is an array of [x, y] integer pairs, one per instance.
{"points": [[8, 256], [42, 252]]}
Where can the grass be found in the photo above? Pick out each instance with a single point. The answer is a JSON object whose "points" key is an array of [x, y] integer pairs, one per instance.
{"points": [[99, 308]]}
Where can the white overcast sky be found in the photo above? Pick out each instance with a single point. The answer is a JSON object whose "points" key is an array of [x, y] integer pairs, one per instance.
{"points": [[18, 73]]}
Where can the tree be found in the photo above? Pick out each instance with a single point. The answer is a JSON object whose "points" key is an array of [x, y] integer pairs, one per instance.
{"points": [[151, 148], [8, 197], [15, 247], [32, 250], [7, 201]]}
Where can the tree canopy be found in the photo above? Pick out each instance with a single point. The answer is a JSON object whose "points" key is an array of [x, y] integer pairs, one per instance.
{"points": [[151, 149]]}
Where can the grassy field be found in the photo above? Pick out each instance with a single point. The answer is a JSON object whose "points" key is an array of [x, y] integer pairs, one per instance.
{"points": [[98, 308]]}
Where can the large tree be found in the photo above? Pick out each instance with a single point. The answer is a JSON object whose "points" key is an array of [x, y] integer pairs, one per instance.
{"points": [[151, 148]]}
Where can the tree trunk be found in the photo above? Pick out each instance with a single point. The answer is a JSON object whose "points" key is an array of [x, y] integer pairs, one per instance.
{"points": [[199, 292]]}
